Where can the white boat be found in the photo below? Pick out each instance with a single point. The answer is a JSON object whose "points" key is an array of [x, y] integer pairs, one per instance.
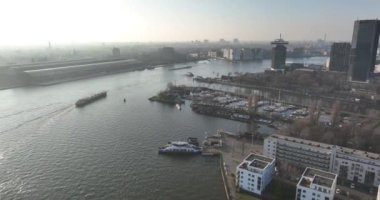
{"points": [[269, 108], [280, 109], [179, 147]]}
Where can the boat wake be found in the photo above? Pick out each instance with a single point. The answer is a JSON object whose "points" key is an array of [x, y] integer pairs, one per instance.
{"points": [[27, 110], [51, 113]]}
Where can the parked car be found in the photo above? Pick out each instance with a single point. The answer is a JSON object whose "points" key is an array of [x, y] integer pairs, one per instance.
{"points": [[337, 191]]}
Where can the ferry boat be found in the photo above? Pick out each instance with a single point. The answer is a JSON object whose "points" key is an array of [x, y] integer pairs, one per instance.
{"points": [[179, 147], [193, 141]]}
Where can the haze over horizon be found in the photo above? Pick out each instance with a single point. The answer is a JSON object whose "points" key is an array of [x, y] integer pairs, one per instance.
{"points": [[86, 21]]}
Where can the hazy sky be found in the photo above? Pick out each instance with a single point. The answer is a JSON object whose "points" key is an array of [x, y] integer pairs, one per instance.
{"points": [[82, 21]]}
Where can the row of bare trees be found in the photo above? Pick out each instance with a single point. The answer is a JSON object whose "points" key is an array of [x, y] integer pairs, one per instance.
{"points": [[351, 135]]}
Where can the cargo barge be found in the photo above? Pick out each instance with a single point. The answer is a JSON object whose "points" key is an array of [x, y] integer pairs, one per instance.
{"points": [[87, 100]]}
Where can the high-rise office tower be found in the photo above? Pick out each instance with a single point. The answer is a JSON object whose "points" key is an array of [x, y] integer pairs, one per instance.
{"points": [[340, 56], [365, 41], [279, 53]]}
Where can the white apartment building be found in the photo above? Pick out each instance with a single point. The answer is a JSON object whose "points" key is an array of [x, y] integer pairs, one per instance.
{"points": [[354, 165], [232, 54], [254, 173], [226, 53], [212, 54], [299, 152], [316, 184], [357, 166]]}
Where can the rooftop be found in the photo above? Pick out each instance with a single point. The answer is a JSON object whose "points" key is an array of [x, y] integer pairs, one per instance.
{"points": [[302, 141], [259, 164], [256, 161], [339, 149], [317, 177], [310, 172], [318, 180], [253, 156], [279, 41], [359, 153]]}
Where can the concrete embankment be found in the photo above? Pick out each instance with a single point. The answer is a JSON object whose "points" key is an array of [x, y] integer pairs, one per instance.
{"points": [[224, 177], [232, 153]]}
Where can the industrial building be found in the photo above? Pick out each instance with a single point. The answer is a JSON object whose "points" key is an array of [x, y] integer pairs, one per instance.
{"points": [[72, 72], [350, 164], [316, 184], [340, 56], [254, 173], [365, 41]]}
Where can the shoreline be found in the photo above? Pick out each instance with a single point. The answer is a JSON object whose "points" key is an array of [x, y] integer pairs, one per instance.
{"points": [[145, 66]]}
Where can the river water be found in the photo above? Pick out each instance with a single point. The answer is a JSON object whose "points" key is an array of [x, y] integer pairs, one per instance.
{"points": [[108, 150]]}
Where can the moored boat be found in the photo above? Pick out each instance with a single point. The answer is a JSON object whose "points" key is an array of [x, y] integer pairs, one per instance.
{"points": [[180, 147]]}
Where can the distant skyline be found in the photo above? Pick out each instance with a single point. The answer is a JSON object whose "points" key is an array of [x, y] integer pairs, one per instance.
{"points": [[25, 22]]}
